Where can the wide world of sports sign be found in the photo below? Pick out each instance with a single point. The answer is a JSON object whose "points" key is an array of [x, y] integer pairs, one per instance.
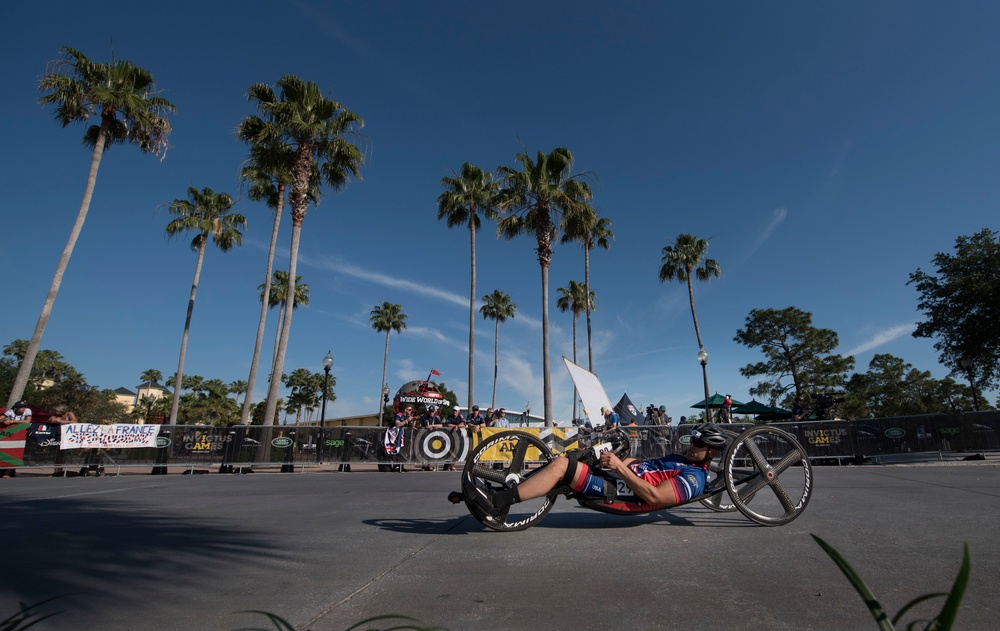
{"points": [[89, 436]]}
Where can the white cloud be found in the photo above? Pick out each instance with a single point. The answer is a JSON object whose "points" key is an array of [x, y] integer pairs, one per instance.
{"points": [[778, 216], [883, 337]]}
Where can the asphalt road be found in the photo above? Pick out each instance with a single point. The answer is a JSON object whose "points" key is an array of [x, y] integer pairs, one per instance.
{"points": [[327, 550]]}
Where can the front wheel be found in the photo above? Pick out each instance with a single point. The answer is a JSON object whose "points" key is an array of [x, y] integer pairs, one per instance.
{"points": [[768, 467], [500, 462]]}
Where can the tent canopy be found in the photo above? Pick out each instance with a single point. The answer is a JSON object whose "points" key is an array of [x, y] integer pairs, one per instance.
{"points": [[627, 412], [715, 401]]}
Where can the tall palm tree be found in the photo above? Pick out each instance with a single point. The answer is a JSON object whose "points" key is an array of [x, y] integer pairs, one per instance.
{"points": [[576, 299], [275, 293], [316, 129], [386, 318], [470, 193], [267, 174], [124, 96], [586, 228], [497, 307], [682, 261], [238, 387], [533, 198], [210, 216]]}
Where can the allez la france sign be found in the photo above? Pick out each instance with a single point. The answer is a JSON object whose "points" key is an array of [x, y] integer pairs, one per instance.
{"points": [[89, 436]]}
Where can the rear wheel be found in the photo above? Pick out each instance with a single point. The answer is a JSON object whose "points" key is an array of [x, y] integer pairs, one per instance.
{"points": [[500, 462], [768, 467]]}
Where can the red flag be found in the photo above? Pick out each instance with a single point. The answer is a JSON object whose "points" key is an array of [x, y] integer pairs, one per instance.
{"points": [[434, 372]]}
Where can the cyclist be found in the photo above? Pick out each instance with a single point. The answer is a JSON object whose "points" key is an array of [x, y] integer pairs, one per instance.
{"points": [[657, 483]]}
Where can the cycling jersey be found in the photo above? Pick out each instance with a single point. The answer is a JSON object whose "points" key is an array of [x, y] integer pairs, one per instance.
{"points": [[688, 480]]}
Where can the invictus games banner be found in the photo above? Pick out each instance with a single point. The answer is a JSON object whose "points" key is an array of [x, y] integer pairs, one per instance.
{"points": [[12, 439], [89, 436]]}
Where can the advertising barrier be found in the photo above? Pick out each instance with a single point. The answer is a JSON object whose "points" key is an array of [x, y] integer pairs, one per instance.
{"points": [[290, 448]]}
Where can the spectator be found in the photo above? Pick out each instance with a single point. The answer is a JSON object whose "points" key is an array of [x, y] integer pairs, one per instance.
{"points": [[725, 413], [61, 415], [799, 411], [405, 418], [475, 420], [610, 418], [456, 420], [500, 419], [18, 413], [433, 418]]}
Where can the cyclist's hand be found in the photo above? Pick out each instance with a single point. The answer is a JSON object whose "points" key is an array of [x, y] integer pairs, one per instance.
{"points": [[609, 460]]}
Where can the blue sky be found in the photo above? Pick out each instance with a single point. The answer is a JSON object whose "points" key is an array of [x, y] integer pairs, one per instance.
{"points": [[827, 151]]}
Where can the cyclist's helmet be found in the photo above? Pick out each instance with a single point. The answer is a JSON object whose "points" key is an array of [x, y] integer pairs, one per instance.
{"points": [[710, 434]]}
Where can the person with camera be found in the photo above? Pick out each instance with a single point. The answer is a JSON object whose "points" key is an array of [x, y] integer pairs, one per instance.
{"points": [[799, 410]]}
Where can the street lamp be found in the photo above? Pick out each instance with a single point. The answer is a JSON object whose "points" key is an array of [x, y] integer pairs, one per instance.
{"points": [[382, 403], [703, 360], [327, 365], [968, 364]]}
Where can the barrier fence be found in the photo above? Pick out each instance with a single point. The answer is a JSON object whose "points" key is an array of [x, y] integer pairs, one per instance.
{"points": [[230, 449]]}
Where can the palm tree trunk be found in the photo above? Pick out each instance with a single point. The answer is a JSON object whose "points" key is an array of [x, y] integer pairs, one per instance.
{"points": [[178, 380], [385, 364], [472, 314], [496, 346], [586, 286], [286, 325], [575, 393], [546, 376], [264, 306], [24, 371], [697, 331]]}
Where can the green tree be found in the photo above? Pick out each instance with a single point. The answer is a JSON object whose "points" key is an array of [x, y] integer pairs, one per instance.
{"points": [[961, 304], [125, 99], [589, 230], [534, 197], [798, 357], [238, 387], [386, 318], [684, 261], [316, 129], [497, 307], [468, 195], [576, 299], [303, 388], [210, 216]]}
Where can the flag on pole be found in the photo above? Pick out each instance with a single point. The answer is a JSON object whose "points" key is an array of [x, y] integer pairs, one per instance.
{"points": [[434, 372]]}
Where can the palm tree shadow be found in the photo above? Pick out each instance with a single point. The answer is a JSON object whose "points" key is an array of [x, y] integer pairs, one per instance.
{"points": [[91, 549]]}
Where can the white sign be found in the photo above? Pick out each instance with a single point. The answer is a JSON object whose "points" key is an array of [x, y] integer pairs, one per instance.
{"points": [[90, 436], [591, 392]]}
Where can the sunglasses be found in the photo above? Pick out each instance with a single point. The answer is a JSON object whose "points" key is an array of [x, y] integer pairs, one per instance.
{"points": [[699, 443]]}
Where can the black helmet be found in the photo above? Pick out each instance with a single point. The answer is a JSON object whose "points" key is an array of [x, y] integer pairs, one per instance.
{"points": [[710, 434]]}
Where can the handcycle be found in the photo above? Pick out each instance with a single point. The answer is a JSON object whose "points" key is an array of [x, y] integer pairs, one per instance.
{"points": [[763, 472]]}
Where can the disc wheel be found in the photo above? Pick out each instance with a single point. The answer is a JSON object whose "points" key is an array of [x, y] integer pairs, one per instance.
{"points": [[500, 462], [719, 501], [768, 467]]}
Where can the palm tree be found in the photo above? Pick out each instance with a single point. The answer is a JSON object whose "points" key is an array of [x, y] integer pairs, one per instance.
{"points": [[238, 387], [130, 112], [210, 216], [533, 200], [497, 307], [589, 230], [275, 293], [577, 299], [316, 130], [301, 383], [468, 194], [682, 261], [386, 318], [150, 376], [267, 175]]}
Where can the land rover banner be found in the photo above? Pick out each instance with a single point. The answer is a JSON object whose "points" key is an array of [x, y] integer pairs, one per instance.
{"points": [[89, 436]]}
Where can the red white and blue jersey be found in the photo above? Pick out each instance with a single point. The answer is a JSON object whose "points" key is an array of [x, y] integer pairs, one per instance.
{"points": [[687, 480]]}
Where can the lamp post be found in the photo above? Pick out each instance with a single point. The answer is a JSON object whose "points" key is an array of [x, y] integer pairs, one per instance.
{"points": [[968, 364], [527, 415], [703, 360], [381, 404], [327, 364]]}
